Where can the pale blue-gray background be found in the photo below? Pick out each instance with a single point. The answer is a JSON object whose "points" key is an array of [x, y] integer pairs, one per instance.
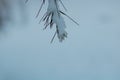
{"points": [[91, 51]]}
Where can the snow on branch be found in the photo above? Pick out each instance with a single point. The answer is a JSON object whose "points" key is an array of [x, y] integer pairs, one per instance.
{"points": [[54, 16]]}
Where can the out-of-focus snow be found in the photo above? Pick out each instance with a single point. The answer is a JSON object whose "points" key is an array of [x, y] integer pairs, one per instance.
{"points": [[91, 52]]}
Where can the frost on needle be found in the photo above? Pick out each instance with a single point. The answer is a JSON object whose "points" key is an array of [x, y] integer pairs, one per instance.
{"points": [[53, 16]]}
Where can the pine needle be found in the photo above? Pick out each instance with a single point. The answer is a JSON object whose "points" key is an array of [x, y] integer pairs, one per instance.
{"points": [[69, 17]]}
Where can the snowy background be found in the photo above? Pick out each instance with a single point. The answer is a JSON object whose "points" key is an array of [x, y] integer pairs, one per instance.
{"points": [[91, 51]]}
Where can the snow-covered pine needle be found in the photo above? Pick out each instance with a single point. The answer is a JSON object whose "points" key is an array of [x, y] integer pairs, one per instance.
{"points": [[54, 16]]}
